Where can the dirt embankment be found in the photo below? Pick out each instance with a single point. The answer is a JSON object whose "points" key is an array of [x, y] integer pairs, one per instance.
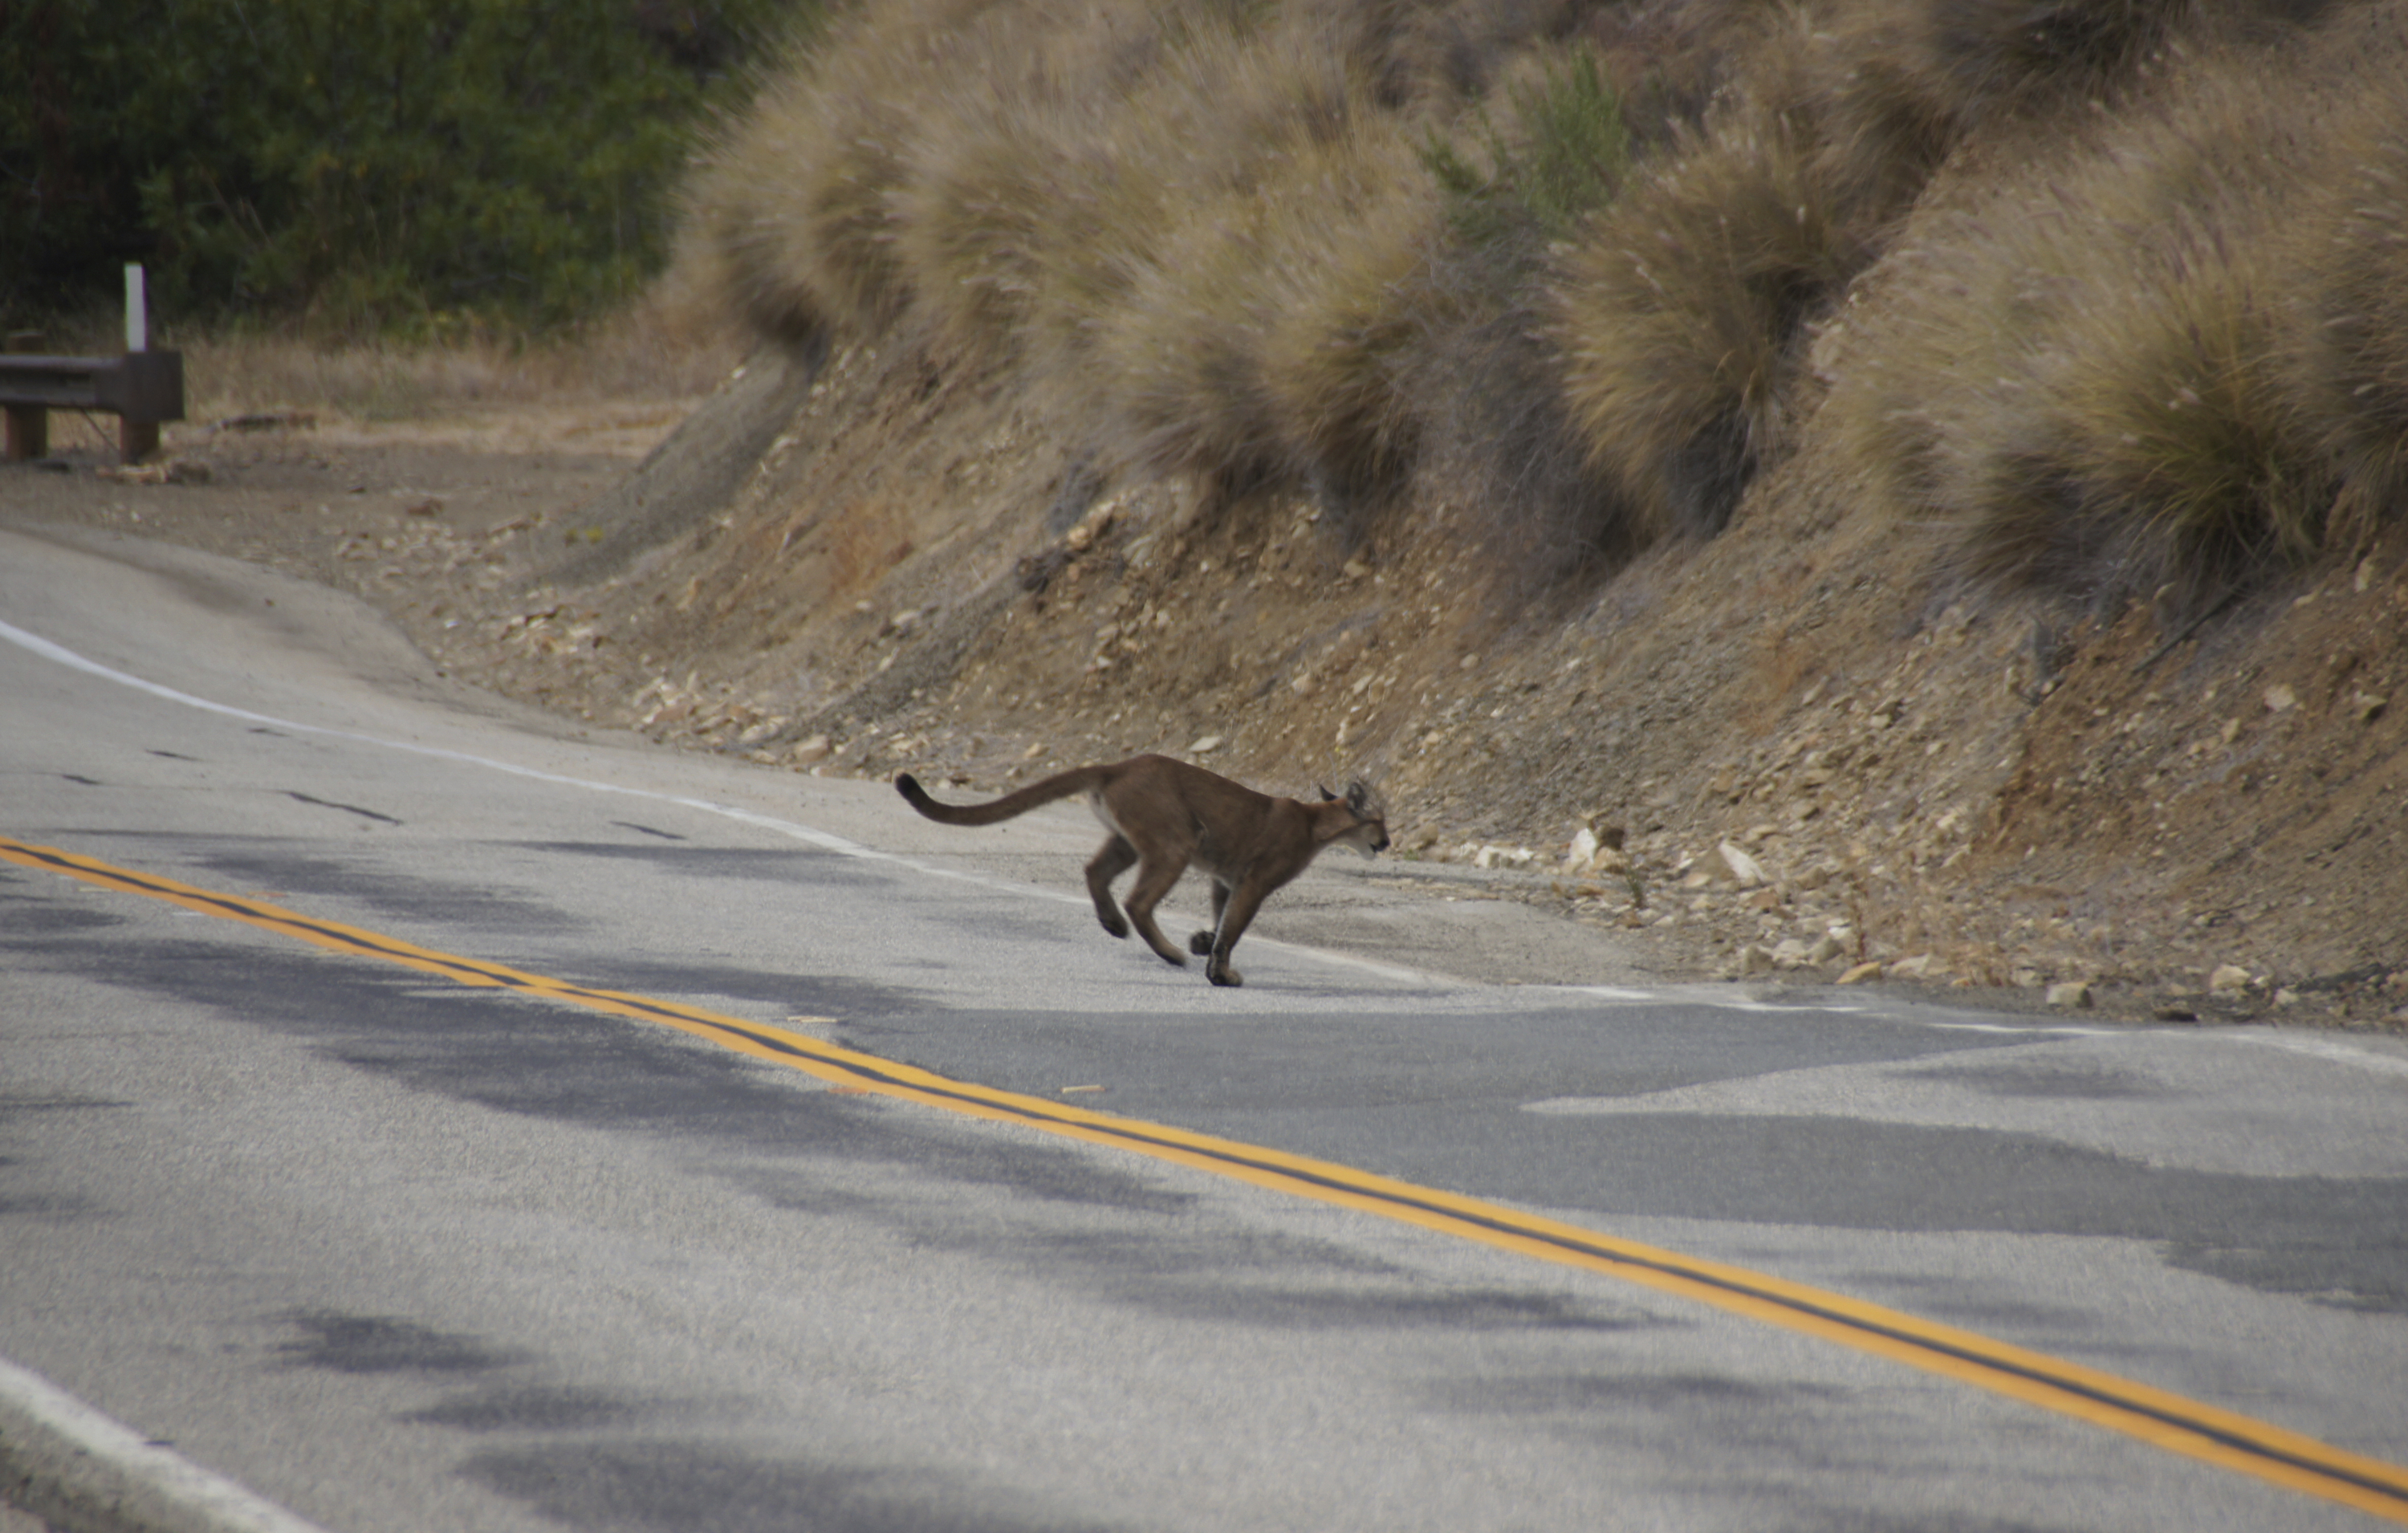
{"points": [[1920, 785], [1787, 753]]}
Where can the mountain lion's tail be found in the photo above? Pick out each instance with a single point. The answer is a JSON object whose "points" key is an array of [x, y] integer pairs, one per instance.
{"points": [[1061, 786]]}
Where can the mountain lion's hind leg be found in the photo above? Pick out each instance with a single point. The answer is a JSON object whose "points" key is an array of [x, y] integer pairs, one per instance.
{"points": [[1117, 857], [1155, 878]]}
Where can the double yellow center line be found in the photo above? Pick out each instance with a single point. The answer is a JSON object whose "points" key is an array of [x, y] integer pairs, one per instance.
{"points": [[2165, 1420]]}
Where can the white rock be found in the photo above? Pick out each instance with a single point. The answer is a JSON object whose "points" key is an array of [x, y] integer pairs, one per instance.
{"points": [[2226, 978], [1201, 747], [1582, 851], [2073, 993], [1738, 865]]}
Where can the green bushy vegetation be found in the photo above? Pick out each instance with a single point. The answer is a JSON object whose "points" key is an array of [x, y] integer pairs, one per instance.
{"points": [[1559, 152], [1571, 256], [420, 164]]}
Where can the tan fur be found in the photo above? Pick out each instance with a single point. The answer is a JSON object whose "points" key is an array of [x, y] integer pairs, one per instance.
{"points": [[1164, 814]]}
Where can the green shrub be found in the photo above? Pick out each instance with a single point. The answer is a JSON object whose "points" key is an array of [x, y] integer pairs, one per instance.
{"points": [[1561, 150], [366, 161]]}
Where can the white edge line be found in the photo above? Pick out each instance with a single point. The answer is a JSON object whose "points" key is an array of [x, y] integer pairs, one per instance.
{"points": [[2338, 1053], [827, 840], [2327, 1049], [49, 1437], [2025, 1029]]}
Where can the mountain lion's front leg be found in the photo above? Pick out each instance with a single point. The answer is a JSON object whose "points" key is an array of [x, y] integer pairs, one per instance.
{"points": [[1200, 943], [1235, 916], [1117, 857]]}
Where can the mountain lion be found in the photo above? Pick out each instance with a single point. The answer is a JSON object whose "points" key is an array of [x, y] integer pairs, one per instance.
{"points": [[1164, 814]]}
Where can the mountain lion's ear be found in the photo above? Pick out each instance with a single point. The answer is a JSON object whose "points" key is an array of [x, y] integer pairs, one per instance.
{"points": [[1325, 795], [1358, 797]]}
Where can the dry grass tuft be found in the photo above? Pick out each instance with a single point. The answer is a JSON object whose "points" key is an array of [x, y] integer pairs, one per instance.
{"points": [[1569, 253], [1998, 56], [1179, 359], [1676, 316], [2352, 361], [797, 199], [976, 220], [659, 348], [752, 223], [1203, 234], [1262, 338], [1354, 299], [1884, 122], [1679, 316], [2171, 450], [2172, 363], [1497, 436]]}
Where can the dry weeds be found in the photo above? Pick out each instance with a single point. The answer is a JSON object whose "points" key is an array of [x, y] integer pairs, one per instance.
{"points": [[1254, 247]]}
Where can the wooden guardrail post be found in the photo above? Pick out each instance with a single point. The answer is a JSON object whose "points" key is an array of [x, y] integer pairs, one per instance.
{"points": [[29, 425], [138, 428]]}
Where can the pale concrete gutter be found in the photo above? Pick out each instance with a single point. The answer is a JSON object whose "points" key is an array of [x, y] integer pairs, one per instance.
{"points": [[79, 1471]]}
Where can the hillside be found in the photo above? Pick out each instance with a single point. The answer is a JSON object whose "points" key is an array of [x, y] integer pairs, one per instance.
{"points": [[1946, 453], [1988, 790]]}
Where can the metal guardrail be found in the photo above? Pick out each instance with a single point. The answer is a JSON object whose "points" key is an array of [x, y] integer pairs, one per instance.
{"points": [[141, 389]]}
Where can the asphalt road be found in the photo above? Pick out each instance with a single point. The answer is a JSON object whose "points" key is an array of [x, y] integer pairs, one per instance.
{"points": [[1411, 1247]]}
